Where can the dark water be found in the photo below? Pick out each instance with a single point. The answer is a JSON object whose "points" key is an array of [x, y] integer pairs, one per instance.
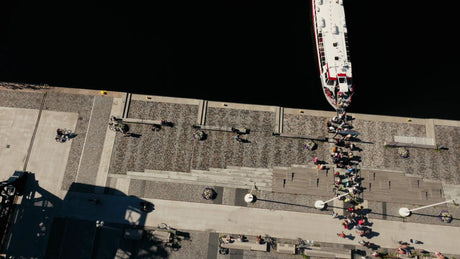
{"points": [[242, 51]]}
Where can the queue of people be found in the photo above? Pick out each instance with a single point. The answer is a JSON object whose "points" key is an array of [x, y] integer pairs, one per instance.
{"points": [[347, 179]]}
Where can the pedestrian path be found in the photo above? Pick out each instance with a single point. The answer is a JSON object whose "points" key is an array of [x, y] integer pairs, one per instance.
{"points": [[93, 140], [250, 221]]}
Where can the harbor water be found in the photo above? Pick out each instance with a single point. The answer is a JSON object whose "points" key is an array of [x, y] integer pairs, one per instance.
{"points": [[259, 52]]}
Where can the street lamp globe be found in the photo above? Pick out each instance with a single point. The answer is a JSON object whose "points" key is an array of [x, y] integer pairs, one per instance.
{"points": [[320, 204], [248, 198], [404, 212]]}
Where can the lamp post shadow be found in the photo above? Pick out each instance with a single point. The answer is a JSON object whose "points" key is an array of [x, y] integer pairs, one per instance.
{"points": [[286, 203]]}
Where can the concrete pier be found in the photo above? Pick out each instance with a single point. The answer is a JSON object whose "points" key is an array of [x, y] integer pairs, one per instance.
{"points": [[170, 168]]}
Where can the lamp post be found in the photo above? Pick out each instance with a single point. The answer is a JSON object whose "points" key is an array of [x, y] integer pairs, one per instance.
{"points": [[405, 212], [249, 197], [319, 204]]}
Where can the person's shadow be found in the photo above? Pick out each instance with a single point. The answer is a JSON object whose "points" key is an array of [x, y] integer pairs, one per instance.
{"points": [[350, 236], [372, 234]]}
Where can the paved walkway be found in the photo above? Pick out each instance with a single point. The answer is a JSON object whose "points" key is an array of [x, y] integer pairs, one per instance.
{"points": [[250, 221]]}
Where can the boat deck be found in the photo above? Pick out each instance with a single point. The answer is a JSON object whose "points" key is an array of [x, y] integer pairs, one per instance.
{"points": [[332, 35]]}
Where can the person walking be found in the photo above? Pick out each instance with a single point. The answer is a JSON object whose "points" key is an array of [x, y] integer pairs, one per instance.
{"points": [[365, 243]]}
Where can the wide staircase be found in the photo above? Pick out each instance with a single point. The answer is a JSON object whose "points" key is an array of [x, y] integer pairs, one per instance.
{"points": [[303, 179], [231, 176], [393, 186], [379, 185]]}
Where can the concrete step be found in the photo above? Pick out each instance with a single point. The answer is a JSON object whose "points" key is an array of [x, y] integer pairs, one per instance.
{"points": [[232, 182], [153, 171], [200, 177], [232, 173], [230, 177], [405, 197], [236, 182], [217, 178], [224, 178], [393, 186], [307, 183], [251, 169], [172, 175], [187, 178], [249, 173], [306, 172]]}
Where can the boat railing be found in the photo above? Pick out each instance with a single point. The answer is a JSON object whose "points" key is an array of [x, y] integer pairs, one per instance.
{"points": [[321, 49], [347, 47]]}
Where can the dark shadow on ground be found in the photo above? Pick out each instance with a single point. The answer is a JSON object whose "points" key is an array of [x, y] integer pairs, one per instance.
{"points": [[135, 135], [286, 203], [369, 211], [30, 224], [45, 226], [372, 234]]}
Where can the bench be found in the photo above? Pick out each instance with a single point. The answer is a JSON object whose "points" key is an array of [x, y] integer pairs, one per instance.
{"points": [[289, 135], [418, 142], [222, 128], [285, 248], [244, 245], [142, 121]]}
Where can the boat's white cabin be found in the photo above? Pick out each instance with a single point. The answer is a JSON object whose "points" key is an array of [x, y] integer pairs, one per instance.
{"points": [[333, 49]]}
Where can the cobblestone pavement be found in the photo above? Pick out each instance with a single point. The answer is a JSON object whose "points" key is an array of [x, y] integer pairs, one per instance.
{"points": [[174, 148]]}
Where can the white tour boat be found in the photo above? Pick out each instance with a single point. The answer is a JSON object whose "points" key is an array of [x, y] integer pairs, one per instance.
{"points": [[333, 51]]}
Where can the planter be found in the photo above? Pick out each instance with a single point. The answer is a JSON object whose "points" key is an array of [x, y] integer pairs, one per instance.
{"points": [[199, 135], [403, 152], [445, 216], [209, 194], [310, 145]]}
